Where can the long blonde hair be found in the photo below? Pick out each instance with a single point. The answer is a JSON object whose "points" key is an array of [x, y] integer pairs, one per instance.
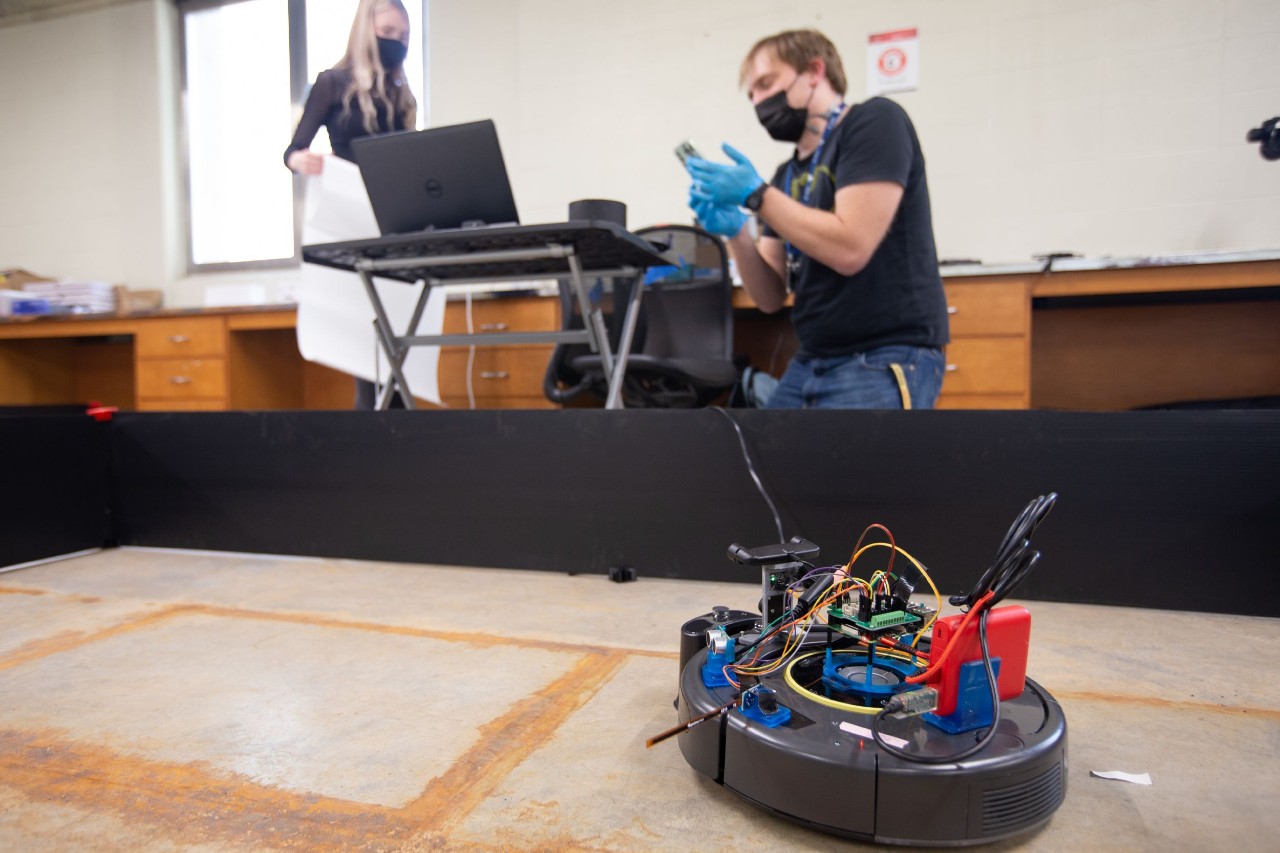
{"points": [[368, 78]]}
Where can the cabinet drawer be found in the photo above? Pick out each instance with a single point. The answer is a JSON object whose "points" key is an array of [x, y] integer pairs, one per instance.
{"points": [[511, 314], [181, 405], [988, 309], [987, 366], [514, 371], [180, 379], [181, 337], [981, 401]]}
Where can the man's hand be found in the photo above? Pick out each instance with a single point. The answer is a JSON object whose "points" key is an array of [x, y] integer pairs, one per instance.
{"points": [[725, 185], [724, 220]]}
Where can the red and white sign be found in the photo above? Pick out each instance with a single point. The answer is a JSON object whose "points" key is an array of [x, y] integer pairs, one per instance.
{"points": [[893, 61]]}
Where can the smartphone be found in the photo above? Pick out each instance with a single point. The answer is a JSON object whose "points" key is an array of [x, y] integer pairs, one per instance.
{"points": [[685, 150]]}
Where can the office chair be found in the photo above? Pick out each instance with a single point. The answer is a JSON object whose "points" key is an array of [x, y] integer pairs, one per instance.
{"points": [[682, 350]]}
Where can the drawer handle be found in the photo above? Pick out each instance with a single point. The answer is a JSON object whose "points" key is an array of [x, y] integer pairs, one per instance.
{"points": [[180, 339], [951, 309], [493, 327], [493, 374], [180, 380], [951, 368]]}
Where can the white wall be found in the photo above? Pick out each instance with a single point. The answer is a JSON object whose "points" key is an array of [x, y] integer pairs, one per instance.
{"points": [[88, 152], [1096, 126]]}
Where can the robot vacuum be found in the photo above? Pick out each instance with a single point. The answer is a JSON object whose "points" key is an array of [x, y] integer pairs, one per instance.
{"points": [[848, 707]]}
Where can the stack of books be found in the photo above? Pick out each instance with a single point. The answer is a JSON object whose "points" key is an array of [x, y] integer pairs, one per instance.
{"points": [[74, 297]]}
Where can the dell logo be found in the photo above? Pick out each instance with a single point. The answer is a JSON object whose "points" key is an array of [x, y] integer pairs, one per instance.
{"points": [[434, 190]]}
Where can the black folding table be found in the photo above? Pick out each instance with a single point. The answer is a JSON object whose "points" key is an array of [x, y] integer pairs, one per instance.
{"points": [[494, 254]]}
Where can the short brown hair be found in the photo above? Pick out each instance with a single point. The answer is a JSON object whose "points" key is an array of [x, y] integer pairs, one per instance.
{"points": [[796, 48]]}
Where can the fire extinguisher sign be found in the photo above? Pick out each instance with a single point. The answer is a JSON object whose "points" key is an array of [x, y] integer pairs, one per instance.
{"points": [[893, 61]]}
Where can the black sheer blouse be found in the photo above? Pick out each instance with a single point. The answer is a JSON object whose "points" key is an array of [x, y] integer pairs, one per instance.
{"points": [[324, 107]]}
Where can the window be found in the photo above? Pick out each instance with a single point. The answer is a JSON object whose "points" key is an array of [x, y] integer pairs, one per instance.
{"points": [[247, 66]]}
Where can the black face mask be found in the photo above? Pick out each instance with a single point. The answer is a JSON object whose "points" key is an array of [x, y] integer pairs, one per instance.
{"points": [[392, 53], [784, 122]]}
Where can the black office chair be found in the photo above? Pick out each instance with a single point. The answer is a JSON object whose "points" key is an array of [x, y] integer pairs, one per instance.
{"points": [[682, 349]]}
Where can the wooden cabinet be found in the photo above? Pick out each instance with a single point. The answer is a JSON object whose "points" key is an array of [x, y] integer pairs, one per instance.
{"points": [[988, 362], [193, 360], [1102, 339], [185, 360], [501, 377], [989, 358], [181, 364]]}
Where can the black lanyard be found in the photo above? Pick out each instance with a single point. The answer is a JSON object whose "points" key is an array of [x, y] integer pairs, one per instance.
{"points": [[793, 254]]}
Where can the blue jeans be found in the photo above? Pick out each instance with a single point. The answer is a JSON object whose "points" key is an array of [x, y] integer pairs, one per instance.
{"points": [[864, 380]]}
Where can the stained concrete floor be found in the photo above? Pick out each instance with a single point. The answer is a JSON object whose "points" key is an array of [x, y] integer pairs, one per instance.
{"points": [[161, 700]]}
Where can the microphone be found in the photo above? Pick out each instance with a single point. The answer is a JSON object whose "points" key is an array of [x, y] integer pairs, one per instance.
{"points": [[1269, 137]]}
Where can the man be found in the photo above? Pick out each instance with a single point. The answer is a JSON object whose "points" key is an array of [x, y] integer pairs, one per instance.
{"points": [[846, 228]]}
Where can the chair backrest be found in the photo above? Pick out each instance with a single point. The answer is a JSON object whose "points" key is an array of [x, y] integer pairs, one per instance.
{"points": [[687, 307], [686, 312]]}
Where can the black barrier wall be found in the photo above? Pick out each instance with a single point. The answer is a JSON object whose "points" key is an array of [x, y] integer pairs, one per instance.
{"points": [[1156, 509], [54, 484]]}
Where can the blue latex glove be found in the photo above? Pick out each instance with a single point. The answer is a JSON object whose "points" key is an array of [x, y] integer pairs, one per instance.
{"points": [[723, 220], [725, 185]]}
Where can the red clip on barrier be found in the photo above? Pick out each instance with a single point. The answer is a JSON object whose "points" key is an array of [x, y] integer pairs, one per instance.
{"points": [[101, 413]]}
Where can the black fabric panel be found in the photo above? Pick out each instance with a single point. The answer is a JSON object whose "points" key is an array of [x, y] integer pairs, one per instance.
{"points": [[55, 492], [1156, 509]]}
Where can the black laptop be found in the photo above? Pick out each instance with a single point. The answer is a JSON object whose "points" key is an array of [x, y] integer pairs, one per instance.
{"points": [[442, 177]]}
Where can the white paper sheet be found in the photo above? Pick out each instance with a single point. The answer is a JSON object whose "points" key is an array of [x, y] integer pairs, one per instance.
{"points": [[1121, 776], [335, 319]]}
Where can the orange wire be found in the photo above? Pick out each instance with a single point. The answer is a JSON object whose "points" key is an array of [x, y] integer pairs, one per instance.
{"points": [[892, 550], [888, 643], [934, 666], [743, 667], [839, 588]]}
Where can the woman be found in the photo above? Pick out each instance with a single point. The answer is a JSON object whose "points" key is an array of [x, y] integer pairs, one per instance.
{"points": [[365, 94]]}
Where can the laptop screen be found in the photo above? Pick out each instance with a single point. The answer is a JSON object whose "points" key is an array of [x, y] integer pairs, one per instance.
{"points": [[442, 177]]}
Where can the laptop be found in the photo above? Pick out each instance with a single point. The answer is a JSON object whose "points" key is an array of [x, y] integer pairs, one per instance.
{"points": [[442, 177]]}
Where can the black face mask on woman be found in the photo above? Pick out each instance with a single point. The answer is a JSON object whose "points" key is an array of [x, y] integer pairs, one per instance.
{"points": [[784, 122], [392, 53]]}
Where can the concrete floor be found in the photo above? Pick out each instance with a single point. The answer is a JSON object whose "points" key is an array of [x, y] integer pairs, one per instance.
{"points": [[161, 700]]}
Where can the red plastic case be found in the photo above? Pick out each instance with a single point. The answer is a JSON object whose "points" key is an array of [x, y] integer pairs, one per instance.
{"points": [[1008, 635]]}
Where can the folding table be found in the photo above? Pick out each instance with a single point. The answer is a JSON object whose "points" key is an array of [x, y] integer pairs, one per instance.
{"points": [[494, 254]]}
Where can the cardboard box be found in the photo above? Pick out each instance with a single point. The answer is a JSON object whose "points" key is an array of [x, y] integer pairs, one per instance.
{"points": [[132, 301], [14, 279]]}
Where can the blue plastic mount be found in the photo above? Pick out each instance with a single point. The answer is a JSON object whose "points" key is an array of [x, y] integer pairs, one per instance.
{"points": [[749, 707], [864, 687], [713, 667], [973, 700]]}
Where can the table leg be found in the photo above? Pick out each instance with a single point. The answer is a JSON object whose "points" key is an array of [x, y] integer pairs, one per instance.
{"points": [[614, 400], [593, 320], [387, 340]]}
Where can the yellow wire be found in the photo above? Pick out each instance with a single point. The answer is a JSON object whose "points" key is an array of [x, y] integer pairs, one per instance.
{"points": [[937, 595], [869, 585], [789, 646], [823, 700], [766, 667]]}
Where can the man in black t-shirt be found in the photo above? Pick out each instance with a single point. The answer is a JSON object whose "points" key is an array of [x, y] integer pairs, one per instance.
{"points": [[846, 228]]}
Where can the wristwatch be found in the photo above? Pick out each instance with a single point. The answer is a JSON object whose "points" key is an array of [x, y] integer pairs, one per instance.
{"points": [[753, 201]]}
